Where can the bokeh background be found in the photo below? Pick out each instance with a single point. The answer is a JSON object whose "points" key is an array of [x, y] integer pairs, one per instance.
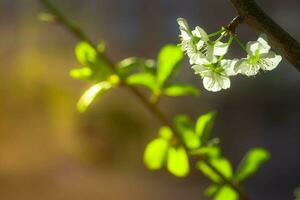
{"points": [[49, 151]]}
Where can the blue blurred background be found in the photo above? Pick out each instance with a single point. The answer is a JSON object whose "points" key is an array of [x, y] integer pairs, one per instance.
{"points": [[49, 151]]}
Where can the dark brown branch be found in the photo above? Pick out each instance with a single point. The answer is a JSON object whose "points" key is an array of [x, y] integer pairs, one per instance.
{"points": [[280, 40]]}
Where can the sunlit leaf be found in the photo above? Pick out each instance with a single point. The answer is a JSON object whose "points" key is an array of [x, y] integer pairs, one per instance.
{"points": [[169, 58], [185, 127], [165, 132], [89, 95], [101, 47], [226, 193], [155, 153], [209, 151], [83, 73], [181, 90], [46, 17], [212, 190], [221, 164], [204, 125], [131, 64], [178, 162], [251, 163], [143, 79], [85, 53]]}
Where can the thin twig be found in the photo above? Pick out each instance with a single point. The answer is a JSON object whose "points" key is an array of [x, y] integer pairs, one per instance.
{"points": [[77, 32]]}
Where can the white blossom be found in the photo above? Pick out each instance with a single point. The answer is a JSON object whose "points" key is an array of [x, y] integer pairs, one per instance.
{"points": [[259, 57]]}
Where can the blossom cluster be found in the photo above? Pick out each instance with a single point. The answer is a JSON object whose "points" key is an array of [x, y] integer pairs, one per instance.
{"points": [[207, 56]]}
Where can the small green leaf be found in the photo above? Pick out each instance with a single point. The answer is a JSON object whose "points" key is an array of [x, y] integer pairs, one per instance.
{"points": [[251, 163], [169, 59], [128, 65], [90, 94], [181, 90], [143, 79], [209, 151], [226, 193], [221, 164], [166, 133], [204, 125], [185, 127], [46, 17], [178, 162], [101, 47], [155, 153], [85, 53], [83, 73], [212, 190]]}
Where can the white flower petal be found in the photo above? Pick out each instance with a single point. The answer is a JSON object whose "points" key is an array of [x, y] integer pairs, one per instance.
{"points": [[264, 41], [245, 68], [216, 82], [183, 23], [201, 70], [220, 48], [228, 66], [200, 33], [252, 47], [270, 61]]}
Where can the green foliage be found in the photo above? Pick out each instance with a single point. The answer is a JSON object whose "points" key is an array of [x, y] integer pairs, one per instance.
{"points": [[133, 64], [90, 94], [251, 163], [180, 90], [178, 161], [185, 127], [169, 59], [221, 164], [83, 73], [212, 190], [85, 53], [95, 67], [226, 193], [155, 79], [143, 79], [204, 125], [155, 153]]}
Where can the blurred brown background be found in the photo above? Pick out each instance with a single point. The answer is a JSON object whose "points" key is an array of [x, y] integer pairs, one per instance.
{"points": [[49, 151]]}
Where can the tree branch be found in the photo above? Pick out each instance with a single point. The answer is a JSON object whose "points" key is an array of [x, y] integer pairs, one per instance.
{"points": [[280, 40], [153, 108]]}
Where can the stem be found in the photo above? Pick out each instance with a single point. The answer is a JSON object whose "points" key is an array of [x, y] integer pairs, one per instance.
{"points": [[238, 41], [151, 107], [215, 33]]}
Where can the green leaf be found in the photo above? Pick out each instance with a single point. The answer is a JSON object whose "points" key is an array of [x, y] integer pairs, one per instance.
{"points": [[90, 94], [212, 190], [83, 73], [169, 59], [185, 128], [226, 193], [166, 133], [128, 65], [251, 163], [204, 125], [178, 162], [155, 153], [85, 53], [221, 164], [143, 79], [209, 151], [181, 90]]}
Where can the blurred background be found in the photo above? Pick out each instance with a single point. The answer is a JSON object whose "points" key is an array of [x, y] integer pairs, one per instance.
{"points": [[50, 151]]}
